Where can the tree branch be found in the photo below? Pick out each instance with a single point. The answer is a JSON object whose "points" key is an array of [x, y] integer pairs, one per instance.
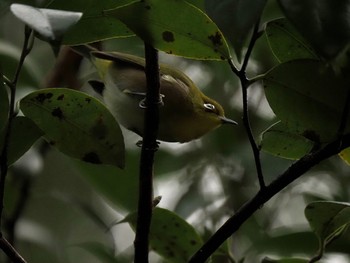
{"points": [[27, 46], [10, 251], [245, 83], [149, 147], [10, 223], [292, 173]]}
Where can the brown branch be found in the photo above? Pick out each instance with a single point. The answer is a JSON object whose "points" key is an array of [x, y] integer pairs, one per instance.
{"points": [[149, 147], [10, 251], [291, 174]]}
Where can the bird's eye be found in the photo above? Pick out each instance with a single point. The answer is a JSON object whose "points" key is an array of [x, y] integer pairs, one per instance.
{"points": [[209, 107]]}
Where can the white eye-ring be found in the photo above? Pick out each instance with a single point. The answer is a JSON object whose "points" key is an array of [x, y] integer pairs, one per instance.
{"points": [[209, 107]]}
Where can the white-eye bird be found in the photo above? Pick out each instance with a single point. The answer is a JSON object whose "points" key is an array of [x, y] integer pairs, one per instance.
{"points": [[185, 114]]}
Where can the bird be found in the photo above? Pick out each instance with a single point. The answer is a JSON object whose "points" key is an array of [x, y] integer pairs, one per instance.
{"points": [[185, 113]]}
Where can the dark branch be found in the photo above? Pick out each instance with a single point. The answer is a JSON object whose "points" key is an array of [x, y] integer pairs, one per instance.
{"points": [[149, 147], [10, 223], [244, 85], [10, 251], [291, 174], [27, 46]]}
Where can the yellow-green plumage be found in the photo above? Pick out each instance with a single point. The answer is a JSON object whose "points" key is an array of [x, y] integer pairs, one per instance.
{"points": [[186, 113]]}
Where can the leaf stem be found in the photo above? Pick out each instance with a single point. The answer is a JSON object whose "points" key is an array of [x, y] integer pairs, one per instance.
{"points": [[149, 147]]}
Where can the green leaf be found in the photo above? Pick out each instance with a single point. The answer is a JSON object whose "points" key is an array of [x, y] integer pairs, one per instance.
{"points": [[285, 242], [77, 124], [24, 133], [278, 140], [50, 24], [4, 104], [94, 25], [308, 97], [235, 18], [325, 24], [175, 27], [170, 235], [327, 220], [120, 187], [345, 155], [286, 42]]}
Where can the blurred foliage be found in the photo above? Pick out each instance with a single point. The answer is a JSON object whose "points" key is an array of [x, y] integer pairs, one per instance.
{"points": [[72, 207]]}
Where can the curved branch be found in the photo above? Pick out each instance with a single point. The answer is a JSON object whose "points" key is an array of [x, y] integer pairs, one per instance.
{"points": [[292, 173]]}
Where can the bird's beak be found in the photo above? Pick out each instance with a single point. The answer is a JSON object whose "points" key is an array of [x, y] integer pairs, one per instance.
{"points": [[227, 120]]}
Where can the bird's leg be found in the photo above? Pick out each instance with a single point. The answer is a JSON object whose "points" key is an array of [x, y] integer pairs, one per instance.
{"points": [[139, 144], [142, 103]]}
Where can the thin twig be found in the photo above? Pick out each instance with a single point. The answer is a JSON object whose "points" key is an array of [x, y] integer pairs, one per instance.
{"points": [[292, 173], [27, 46], [244, 85], [7, 81], [149, 147], [255, 36], [11, 222], [10, 251]]}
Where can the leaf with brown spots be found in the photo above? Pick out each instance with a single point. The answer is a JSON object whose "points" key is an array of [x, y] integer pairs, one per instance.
{"points": [[78, 124], [175, 27], [170, 235], [235, 18]]}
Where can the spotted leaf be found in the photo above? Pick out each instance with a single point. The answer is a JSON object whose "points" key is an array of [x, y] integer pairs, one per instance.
{"points": [[77, 124]]}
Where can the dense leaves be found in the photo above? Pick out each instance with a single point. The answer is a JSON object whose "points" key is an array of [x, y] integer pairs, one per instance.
{"points": [[200, 181], [316, 94], [328, 220], [324, 23]]}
